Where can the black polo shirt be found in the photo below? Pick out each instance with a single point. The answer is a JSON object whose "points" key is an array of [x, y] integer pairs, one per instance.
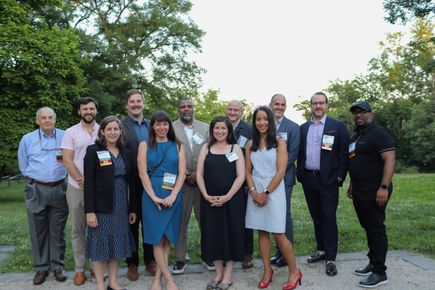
{"points": [[366, 165]]}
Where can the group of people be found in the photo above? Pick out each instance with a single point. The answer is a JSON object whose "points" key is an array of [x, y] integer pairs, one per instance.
{"points": [[138, 174]]}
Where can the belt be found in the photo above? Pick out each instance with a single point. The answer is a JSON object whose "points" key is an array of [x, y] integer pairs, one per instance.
{"points": [[313, 172], [49, 184]]}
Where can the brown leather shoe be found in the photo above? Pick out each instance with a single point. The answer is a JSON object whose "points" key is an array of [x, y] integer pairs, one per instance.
{"points": [[132, 273], [79, 278], [60, 275], [247, 262], [40, 277], [151, 267]]}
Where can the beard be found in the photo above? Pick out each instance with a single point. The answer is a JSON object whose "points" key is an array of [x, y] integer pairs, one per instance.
{"points": [[186, 118], [86, 120]]}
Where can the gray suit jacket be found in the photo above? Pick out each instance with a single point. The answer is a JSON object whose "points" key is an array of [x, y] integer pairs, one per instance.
{"points": [[293, 139], [191, 155]]}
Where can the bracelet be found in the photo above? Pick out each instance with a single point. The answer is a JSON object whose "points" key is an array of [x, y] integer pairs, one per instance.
{"points": [[251, 190]]}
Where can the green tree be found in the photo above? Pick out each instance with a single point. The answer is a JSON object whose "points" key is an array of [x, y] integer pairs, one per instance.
{"points": [[140, 44], [397, 82], [39, 66], [405, 10]]}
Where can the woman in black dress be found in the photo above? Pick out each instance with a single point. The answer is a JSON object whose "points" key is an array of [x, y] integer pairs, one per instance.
{"points": [[220, 176], [106, 170]]}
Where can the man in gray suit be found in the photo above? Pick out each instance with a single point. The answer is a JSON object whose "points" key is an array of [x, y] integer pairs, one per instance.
{"points": [[289, 131], [193, 134]]}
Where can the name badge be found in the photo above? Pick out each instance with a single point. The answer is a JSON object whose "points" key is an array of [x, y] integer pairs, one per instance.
{"points": [[242, 141], [231, 156], [104, 157], [59, 156], [327, 142], [197, 139], [169, 181], [282, 135], [352, 152]]}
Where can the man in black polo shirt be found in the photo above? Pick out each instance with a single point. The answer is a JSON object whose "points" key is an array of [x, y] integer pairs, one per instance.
{"points": [[372, 154]]}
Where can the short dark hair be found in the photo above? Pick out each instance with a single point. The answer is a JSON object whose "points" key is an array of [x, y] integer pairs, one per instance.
{"points": [[133, 92], [231, 139], [101, 140], [85, 101], [184, 99], [161, 116], [321, 94], [271, 141]]}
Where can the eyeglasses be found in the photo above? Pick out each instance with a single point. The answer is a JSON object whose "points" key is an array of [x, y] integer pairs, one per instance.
{"points": [[48, 146]]}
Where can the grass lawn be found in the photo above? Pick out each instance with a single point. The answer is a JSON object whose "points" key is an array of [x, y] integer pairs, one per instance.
{"points": [[410, 223]]}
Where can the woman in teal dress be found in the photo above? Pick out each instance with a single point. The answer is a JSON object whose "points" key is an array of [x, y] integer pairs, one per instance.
{"points": [[162, 169]]}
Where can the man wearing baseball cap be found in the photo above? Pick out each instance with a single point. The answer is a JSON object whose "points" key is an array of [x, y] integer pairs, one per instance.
{"points": [[371, 167]]}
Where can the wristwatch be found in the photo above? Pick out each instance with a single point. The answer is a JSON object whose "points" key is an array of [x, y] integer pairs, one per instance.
{"points": [[384, 186], [267, 191]]}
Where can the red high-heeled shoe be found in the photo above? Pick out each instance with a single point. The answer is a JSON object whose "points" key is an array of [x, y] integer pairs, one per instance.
{"points": [[293, 286], [263, 285]]}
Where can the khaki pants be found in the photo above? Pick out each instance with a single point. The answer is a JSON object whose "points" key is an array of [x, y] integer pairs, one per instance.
{"points": [[191, 198], [75, 199]]}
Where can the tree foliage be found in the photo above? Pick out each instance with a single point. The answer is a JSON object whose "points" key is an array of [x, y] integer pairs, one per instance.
{"points": [[399, 85], [39, 66], [52, 52], [406, 10], [141, 44]]}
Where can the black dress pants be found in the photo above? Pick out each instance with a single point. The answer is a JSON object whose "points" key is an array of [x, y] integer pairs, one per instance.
{"points": [[148, 251], [322, 204], [371, 216]]}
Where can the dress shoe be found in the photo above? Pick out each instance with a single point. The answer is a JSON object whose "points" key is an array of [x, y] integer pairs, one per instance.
{"points": [[110, 288], [39, 277], [79, 278], [263, 285], [132, 273], [275, 258], [373, 280], [60, 275], [316, 258], [363, 271], [151, 267], [281, 262], [247, 262], [294, 285], [331, 268]]}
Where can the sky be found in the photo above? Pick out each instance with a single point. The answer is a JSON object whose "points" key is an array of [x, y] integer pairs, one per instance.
{"points": [[256, 48]]}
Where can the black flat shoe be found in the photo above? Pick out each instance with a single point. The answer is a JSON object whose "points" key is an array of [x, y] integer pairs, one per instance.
{"points": [[276, 257], [331, 268], [281, 262], [373, 280], [316, 258], [363, 271], [110, 288]]}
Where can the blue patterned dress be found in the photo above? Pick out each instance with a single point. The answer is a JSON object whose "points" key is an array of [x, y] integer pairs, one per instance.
{"points": [[112, 238], [166, 222]]}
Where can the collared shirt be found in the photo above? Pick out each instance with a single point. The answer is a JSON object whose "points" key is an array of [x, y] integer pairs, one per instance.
{"points": [[77, 139], [237, 124], [141, 129], [189, 135], [366, 166], [37, 156], [314, 144], [278, 122]]}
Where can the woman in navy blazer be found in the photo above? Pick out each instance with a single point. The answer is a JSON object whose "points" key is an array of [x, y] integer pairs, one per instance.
{"points": [[107, 168]]}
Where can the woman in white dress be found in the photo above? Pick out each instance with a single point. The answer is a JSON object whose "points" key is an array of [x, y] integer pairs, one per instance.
{"points": [[266, 162]]}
